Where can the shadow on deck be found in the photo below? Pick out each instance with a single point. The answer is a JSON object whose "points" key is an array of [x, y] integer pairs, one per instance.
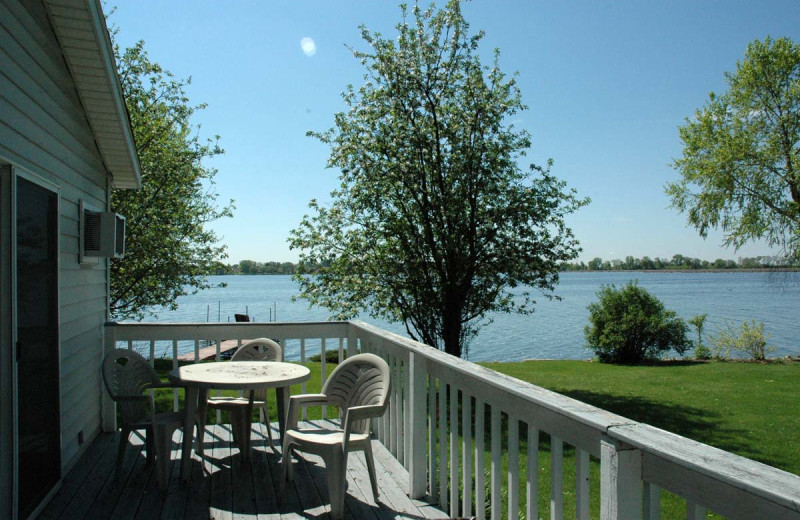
{"points": [[222, 486]]}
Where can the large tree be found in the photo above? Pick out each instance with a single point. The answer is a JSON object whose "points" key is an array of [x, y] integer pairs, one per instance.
{"points": [[170, 250], [740, 170], [434, 224]]}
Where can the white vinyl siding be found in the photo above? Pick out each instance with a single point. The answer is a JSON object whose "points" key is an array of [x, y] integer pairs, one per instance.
{"points": [[43, 129]]}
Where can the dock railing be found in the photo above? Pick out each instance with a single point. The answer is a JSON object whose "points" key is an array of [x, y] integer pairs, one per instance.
{"points": [[455, 426]]}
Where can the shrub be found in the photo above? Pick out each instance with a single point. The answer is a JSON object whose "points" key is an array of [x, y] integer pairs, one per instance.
{"points": [[629, 325], [748, 339], [701, 351], [331, 356]]}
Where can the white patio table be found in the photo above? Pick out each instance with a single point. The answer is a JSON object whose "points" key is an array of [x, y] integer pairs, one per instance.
{"points": [[231, 375]]}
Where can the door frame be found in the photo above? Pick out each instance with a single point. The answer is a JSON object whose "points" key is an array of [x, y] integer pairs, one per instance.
{"points": [[15, 174]]}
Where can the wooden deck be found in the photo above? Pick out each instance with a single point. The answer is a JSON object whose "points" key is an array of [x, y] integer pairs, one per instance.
{"points": [[222, 486]]}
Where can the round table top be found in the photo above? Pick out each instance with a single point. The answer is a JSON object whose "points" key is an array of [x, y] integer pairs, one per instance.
{"points": [[240, 375]]}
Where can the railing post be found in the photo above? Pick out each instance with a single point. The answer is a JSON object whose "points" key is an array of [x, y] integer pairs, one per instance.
{"points": [[417, 408], [352, 340], [108, 408], [620, 481]]}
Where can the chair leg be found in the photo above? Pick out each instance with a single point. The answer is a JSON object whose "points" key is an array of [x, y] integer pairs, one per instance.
{"points": [[148, 445], [123, 445], [336, 468], [163, 444], [286, 463], [371, 469], [233, 416], [200, 420], [268, 426]]}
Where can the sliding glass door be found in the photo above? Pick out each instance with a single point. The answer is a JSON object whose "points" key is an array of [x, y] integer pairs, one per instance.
{"points": [[37, 346]]}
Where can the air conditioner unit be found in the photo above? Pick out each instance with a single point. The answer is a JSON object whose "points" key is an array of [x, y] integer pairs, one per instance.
{"points": [[103, 234]]}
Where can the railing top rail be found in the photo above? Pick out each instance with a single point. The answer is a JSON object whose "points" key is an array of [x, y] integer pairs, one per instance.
{"points": [[188, 331]]}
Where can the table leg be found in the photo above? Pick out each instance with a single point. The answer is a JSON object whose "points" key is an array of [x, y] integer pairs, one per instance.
{"points": [[190, 411], [247, 426], [282, 396], [202, 409]]}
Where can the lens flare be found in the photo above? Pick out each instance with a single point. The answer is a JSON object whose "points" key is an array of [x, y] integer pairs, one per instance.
{"points": [[308, 46]]}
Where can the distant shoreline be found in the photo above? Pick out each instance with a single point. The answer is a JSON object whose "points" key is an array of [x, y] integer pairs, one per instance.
{"points": [[710, 270]]}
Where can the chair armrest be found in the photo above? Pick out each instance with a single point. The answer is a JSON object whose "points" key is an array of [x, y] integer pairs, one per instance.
{"points": [[358, 413], [297, 402]]}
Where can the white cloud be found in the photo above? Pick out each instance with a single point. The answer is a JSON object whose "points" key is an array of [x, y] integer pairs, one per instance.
{"points": [[308, 46]]}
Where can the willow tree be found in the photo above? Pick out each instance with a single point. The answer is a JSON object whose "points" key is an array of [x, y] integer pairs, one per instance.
{"points": [[740, 170], [434, 223], [170, 249]]}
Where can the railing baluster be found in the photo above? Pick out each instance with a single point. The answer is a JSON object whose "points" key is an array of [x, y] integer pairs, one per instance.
{"points": [[581, 484], [398, 416], [532, 476], [443, 445], [108, 406], [323, 372], [466, 435], [175, 401], [480, 481], [496, 473], [556, 478], [417, 433], [454, 466], [513, 467], [219, 392], [408, 411], [341, 350], [652, 501], [196, 350], [303, 362], [433, 474], [391, 430], [694, 512]]}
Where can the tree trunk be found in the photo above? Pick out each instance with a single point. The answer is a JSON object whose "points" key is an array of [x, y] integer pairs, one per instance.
{"points": [[451, 328]]}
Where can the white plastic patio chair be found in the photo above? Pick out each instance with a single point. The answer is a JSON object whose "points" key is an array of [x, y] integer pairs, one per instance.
{"points": [[128, 377], [261, 349], [360, 387]]}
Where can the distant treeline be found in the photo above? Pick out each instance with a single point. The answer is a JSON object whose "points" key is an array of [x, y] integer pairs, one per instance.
{"points": [[253, 267], [596, 264], [676, 262]]}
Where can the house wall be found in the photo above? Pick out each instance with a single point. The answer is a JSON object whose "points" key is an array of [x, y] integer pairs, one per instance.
{"points": [[43, 129]]}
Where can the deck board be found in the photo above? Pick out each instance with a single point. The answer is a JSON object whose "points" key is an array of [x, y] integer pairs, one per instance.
{"points": [[223, 486]]}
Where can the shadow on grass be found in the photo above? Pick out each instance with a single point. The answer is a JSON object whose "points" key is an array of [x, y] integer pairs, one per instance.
{"points": [[689, 421]]}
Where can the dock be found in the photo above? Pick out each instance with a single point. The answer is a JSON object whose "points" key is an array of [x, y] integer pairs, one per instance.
{"points": [[210, 351]]}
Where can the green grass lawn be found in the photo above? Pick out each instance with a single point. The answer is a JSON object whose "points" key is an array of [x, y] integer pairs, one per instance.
{"points": [[745, 408]]}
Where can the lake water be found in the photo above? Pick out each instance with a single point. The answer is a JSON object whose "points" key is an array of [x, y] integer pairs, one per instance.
{"points": [[555, 330]]}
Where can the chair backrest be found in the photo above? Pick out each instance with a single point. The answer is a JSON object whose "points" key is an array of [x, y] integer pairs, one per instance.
{"points": [[363, 379], [261, 349], [128, 374]]}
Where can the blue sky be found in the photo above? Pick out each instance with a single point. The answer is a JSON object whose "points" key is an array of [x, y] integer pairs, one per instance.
{"points": [[607, 84]]}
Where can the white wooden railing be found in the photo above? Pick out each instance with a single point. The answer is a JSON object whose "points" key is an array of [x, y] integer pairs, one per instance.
{"points": [[445, 425]]}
